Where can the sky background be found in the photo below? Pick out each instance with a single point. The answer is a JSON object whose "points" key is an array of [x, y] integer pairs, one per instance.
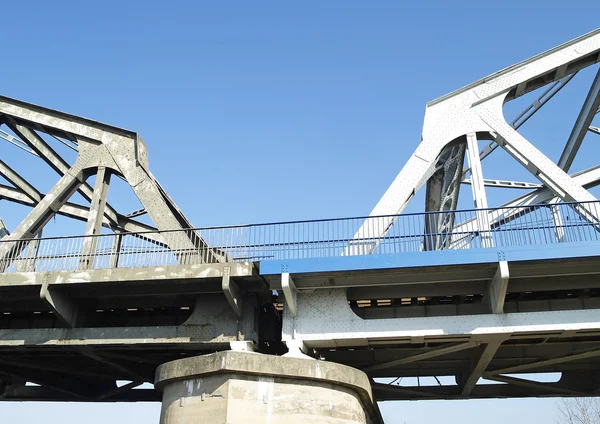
{"points": [[268, 111]]}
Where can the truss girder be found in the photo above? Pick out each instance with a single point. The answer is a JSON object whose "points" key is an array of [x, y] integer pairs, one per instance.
{"points": [[119, 151], [477, 109], [527, 113], [522, 205], [79, 212]]}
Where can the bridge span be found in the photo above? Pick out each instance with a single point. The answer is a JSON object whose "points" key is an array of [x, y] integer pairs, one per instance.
{"points": [[484, 302]]}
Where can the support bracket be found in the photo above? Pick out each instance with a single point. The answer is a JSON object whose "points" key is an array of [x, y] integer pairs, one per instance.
{"points": [[290, 293], [63, 307], [498, 286], [232, 292], [486, 356]]}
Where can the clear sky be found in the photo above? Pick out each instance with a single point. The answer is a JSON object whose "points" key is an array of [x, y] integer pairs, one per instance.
{"points": [[265, 111]]}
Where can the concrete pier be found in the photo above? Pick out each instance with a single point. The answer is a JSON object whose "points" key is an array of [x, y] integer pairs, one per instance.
{"points": [[237, 387]]}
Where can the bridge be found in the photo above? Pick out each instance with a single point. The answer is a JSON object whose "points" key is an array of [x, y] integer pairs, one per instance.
{"points": [[484, 301]]}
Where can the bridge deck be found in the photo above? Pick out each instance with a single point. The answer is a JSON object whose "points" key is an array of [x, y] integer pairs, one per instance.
{"points": [[381, 305]]}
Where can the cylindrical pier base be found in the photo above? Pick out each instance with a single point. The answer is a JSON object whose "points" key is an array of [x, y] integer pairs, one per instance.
{"points": [[243, 387]]}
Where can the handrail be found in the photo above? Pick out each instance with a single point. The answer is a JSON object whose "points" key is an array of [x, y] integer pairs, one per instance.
{"points": [[317, 238]]}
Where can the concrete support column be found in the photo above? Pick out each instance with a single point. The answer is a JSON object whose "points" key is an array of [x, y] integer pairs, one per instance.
{"points": [[245, 387]]}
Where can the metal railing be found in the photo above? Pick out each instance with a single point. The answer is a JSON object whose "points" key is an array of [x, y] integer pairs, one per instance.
{"points": [[499, 227]]}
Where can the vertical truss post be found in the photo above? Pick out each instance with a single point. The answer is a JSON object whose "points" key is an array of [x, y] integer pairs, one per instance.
{"points": [[116, 249], [29, 264], [559, 228], [478, 188], [95, 217]]}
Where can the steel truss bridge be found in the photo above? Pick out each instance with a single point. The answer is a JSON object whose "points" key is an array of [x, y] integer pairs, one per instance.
{"points": [[489, 297]]}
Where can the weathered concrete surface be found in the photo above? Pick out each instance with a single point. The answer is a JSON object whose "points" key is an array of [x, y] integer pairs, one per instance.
{"points": [[243, 387], [189, 272]]}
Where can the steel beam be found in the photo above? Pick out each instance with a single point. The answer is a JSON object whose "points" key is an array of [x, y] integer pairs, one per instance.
{"points": [[348, 329], [95, 217], [546, 362], [422, 356], [484, 360], [60, 166], [81, 213], [498, 286], [582, 124], [65, 310], [232, 292], [526, 114], [480, 200], [87, 351], [19, 182], [543, 387], [442, 195], [39, 216], [557, 221], [28, 265], [553, 177], [587, 179], [290, 293], [506, 184], [477, 108], [128, 155], [124, 388]]}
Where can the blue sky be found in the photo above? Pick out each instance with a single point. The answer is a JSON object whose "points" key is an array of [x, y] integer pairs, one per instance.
{"points": [[267, 111]]}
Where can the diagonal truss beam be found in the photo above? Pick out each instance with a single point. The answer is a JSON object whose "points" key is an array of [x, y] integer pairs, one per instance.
{"points": [[477, 108], [127, 156], [546, 362], [112, 219], [552, 176], [422, 356], [15, 179], [79, 212], [124, 388], [522, 205], [57, 163], [526, 114], [484, 360], [39, 216], [534, 385], [120, 368], [582, 124]]}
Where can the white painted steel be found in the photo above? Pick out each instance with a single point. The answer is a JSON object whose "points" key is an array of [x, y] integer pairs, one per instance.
{"points": [[477, 108], [326, 320]]}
